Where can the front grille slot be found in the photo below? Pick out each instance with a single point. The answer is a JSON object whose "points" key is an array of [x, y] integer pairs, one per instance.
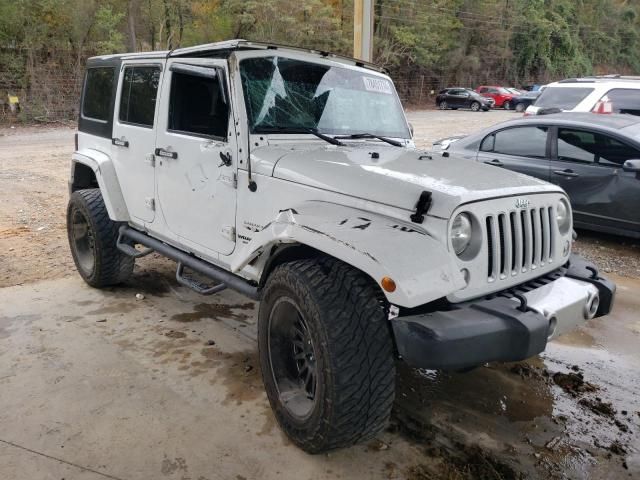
{"points": [[519, 241]]}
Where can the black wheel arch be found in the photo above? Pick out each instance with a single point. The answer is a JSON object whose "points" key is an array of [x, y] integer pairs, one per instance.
{"points": [[82, 177]]}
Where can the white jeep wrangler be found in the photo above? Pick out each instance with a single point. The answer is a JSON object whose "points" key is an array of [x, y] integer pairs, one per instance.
{"points": [[290, 176]]}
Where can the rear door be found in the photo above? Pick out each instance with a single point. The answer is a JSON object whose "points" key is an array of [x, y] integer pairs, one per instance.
{"points": [[588, 166], [456, 98], [134, 136], [521, 149]]}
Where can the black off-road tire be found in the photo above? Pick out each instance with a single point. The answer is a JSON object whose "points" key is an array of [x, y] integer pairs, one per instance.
{"points": [[95, 254], [348, 325]]}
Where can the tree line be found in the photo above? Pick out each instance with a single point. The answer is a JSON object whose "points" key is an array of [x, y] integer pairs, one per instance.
{"points": [[443, 41]]}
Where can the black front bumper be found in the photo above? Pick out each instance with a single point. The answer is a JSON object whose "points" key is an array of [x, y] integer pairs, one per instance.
{"points": [[486, 330]]}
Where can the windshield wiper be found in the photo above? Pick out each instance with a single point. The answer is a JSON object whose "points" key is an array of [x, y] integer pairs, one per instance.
{"points": [[313, 131], [390, 141]]}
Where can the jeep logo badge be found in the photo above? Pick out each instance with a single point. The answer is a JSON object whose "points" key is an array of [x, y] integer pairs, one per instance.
{"points": [[522, 203]]}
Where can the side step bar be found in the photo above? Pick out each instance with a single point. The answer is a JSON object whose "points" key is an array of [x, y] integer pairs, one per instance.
{"points": [[226, 279]]}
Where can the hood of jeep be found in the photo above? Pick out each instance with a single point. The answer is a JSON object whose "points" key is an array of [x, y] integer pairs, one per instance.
{"points": [[397, 177]]}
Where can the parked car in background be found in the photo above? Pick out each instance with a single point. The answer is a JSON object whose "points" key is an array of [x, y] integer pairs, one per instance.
{"points": [[608, 94], [458, 97], [501, 96], [594, 158], [521, 102]]}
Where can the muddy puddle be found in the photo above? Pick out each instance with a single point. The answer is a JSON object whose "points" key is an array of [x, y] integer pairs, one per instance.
{"points": [[239, 312], [536, 419]]}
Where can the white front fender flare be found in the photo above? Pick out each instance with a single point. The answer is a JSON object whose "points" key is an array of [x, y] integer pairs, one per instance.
{"points": [[422, 268]]}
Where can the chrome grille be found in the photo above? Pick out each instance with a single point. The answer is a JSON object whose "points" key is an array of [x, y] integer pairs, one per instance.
{"points": [[519, 241]]}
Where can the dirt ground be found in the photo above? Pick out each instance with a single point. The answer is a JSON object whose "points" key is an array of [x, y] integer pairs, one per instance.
{"points": [[99, 384]]}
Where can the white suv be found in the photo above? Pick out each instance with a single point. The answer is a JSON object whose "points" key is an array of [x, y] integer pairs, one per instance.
{"points": [[290, 176], [608, 94]]}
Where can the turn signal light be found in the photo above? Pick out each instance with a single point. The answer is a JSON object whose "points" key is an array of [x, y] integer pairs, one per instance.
{"points": [[388, 284]]}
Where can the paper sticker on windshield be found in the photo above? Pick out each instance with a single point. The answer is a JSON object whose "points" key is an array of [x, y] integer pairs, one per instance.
{"points": [[378, 85]]}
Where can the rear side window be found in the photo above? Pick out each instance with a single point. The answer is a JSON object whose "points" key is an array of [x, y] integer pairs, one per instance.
{"points": [[625, 100], [98, 89], [576, 145], [520, 141], [138, 95], [565, 98], [590, 147], [197, 106]]}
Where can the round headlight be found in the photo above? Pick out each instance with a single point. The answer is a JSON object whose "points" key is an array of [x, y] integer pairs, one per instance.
{"points": [[461, 233], [563, 216]]}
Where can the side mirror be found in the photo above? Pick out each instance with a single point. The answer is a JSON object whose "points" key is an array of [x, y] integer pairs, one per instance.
{"points": [[631, 165], [411, 129]]}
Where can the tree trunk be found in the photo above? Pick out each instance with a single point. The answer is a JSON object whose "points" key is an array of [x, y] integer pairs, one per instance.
{"points": [[152, 26], [131, 24], [167, 25]]}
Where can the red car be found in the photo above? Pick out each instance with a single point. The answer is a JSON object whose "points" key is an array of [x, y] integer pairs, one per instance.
{"points": [[502, 96]]}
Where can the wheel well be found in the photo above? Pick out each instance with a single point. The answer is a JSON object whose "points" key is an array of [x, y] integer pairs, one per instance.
{"points": [[83, 177], [290, 252], [284, 254]]}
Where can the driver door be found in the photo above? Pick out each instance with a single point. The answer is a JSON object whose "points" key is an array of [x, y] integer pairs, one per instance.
{"points": [[196, 155]]}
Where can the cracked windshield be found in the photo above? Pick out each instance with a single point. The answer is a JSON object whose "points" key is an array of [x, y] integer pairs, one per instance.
{"points": [[285, 95]]}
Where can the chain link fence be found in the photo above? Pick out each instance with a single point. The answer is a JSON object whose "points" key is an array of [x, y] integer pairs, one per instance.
{"points": [[46, 83]]}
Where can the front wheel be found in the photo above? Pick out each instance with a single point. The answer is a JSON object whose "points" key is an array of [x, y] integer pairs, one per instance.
{"points": [[326, 354], [507, 105], [443, 105], [475, 106], [92, 239], [520, 107]]}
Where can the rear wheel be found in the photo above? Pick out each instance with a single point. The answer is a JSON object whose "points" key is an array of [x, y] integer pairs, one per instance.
{"points": [[443, 105], [326, 354], [475, 106], [520, 107], [507, 105], [92, 239]]}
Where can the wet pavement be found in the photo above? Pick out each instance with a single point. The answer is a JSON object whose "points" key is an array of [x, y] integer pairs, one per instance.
{"points": [[97, 384]]}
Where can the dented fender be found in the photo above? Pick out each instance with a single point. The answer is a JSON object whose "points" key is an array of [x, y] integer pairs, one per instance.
{"points": [[107, 178], [420, 264]]}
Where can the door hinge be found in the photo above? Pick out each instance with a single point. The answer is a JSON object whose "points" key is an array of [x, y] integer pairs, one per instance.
{"points": [[229, 232], [231, 180], [150, 203]]}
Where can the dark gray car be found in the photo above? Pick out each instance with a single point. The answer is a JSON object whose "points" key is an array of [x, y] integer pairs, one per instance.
{"points": [[594, 158]]}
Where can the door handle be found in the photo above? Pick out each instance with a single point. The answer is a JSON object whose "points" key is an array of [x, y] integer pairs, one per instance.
{"points": [[161, 152], [120, 142], [495, 162], [566, 173]]}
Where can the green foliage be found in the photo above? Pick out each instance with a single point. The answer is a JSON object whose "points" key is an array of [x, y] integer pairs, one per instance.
{"points": [[108, 39]]}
